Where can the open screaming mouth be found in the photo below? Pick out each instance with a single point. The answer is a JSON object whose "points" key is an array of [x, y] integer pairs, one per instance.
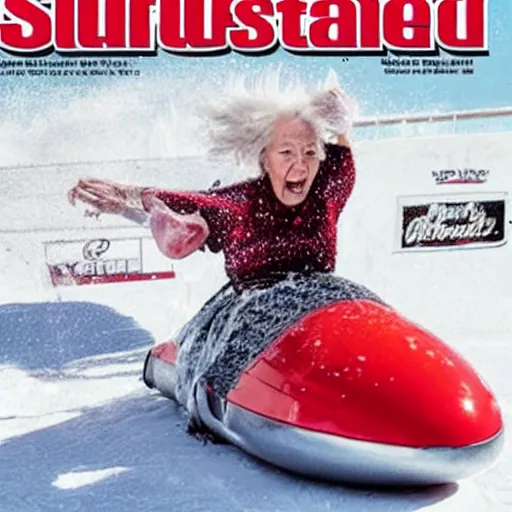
{"points": [[295, 187]]}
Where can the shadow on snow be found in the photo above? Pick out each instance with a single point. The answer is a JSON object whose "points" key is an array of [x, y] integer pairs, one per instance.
{"points": [[50, 335], [168, 470]]}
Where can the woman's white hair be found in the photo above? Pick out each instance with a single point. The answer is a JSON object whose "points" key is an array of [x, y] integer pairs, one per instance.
{"points": [[240, 123]]}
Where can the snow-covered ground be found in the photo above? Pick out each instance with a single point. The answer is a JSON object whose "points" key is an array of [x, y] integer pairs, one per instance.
{"points": [[79, 431]]}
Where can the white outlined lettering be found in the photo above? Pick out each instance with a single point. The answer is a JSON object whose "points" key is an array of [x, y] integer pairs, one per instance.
{"points": [[250, 26]]}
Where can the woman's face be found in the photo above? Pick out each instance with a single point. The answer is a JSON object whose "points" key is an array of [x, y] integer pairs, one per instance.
{"points": [[291, 160]]}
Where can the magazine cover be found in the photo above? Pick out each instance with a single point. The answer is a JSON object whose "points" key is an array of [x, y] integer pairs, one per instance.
{"points": [[254, 255]]}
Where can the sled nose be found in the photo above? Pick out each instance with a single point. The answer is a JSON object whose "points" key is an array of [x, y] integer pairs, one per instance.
{"points": [[360, 370]]}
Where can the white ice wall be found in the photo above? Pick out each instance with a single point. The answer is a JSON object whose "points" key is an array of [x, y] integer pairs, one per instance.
{"points": [[453, 292], [34, 210]]}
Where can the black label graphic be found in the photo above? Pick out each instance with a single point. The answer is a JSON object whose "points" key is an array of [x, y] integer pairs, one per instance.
{"points": [[460, 176], [94, 249], [448, 224]]}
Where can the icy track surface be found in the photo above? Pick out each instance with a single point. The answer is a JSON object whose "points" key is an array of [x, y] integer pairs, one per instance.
{"points": [[79, 431]]}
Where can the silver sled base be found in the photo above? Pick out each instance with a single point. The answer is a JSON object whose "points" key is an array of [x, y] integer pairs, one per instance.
{"points": [[324, 456]]}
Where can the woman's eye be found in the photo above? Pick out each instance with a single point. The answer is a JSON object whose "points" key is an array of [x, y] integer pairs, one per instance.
{"points": [[285, 152], [311, 153]]}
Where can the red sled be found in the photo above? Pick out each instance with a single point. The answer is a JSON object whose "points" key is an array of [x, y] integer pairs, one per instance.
{"points": [[354, 392]]}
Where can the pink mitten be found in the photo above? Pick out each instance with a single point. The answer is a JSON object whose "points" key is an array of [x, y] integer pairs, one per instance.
{"points": [[177, 235]]}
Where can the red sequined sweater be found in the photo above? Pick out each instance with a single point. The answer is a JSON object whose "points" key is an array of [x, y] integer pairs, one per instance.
{"points": [[261, 236]]}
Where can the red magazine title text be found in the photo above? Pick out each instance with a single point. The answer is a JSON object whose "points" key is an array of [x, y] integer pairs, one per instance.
{"points": [[29, 27]]}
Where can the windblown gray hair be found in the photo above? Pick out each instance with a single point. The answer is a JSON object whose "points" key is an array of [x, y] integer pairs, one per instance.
{"points": [[240, 124]]}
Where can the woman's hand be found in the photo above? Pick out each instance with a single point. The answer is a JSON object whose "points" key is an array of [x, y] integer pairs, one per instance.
{"points": [[107, 196], [177, 235], [335, 109]]}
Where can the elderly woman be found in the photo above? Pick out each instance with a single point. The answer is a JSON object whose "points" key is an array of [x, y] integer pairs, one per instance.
{"points": [[284, 221], [277, 231]]}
